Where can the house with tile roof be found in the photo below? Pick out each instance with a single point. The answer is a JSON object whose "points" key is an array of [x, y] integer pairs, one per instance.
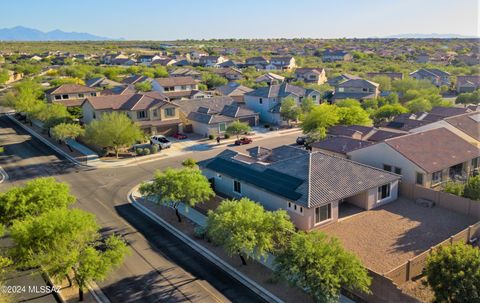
{"points": [[428, 158], [186, 72], [310, 186], [359, 89], [270, 78], [267, 100], [234, 90], [154, 113], [281, 63], [468, 84], [311, 75], [212, 116], [434, 75], [336, 55], [174, 84], [70, 95]]}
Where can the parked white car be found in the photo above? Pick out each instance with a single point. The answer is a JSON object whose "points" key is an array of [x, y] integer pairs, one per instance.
{"points": [[161, 141]]}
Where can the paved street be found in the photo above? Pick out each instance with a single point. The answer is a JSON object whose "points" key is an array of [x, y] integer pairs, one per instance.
{"points": [[161, 268]]}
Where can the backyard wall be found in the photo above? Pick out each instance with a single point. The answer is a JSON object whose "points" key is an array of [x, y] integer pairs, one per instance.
{"points": [[442, 199]]}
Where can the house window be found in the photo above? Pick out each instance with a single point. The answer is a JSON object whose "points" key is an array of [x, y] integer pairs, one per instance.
{"points": [[93, 94], [476, 162], [387, 167], [184, 87], [419, 179], [260, 101], [94, 115], [141, 114], [237, 187], [365, 89], [341, 89], [314, 97], [295, 206], [64, 96], [301, 209], [58, 97], [289, 204], [155, 112], [169, 112], [436, 177], [398, 170], [323, 213], [80, 95], [383, 192], [222, 127]]}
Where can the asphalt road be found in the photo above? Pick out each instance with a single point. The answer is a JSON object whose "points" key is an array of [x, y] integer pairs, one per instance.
{"points": [[161, 268]]}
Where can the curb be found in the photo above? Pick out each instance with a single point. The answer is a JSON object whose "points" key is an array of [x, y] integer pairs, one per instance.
{"points": [[46, 142], [97, 293], [240, 277]]}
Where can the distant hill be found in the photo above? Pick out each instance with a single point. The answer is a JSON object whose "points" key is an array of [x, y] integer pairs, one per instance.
{"points": [[20, 33], [426, 36]]}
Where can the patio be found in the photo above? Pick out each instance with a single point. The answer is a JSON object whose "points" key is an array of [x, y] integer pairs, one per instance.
{"points": [[386, 237]]}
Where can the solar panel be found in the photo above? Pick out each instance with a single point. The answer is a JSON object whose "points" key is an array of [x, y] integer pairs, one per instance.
{"points": [[273, 181]]}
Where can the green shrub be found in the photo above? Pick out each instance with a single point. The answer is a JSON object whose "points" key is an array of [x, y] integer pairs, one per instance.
{"points": [[155, 148], [472, 188], [454, 188], [199, 232], [211, 137], [146, 151], [226, 136], [139, 151]]}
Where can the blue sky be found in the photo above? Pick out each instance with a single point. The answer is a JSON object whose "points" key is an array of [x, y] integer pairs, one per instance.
{"points": [[180, 19]]}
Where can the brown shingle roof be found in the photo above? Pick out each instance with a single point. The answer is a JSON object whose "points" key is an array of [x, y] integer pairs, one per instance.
{"points": [[125, 102], [468, 123], [435, 149], [70, 89], [174, 81]]}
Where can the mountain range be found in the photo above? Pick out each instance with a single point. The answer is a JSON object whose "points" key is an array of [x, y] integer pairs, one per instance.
{"points": [[20, 33], [427, 36]]}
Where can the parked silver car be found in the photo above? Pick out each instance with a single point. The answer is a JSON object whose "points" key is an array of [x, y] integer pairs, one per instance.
{"points": [[161, 141]]}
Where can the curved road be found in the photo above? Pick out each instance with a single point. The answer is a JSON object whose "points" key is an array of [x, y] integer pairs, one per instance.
{"points": [[161, 268]]}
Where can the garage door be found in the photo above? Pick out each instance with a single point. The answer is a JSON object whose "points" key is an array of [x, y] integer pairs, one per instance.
{"points": [[250, 120], [167, 130]]}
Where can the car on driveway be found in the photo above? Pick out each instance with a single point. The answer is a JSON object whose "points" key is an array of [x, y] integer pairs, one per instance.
{"points": [[179, 136], [161, 141], [243, 140]]}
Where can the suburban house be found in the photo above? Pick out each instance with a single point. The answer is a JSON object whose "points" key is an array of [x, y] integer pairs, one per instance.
{"points": [[234, 90], [109, 58], [152, 111], [359, 89], [174, 84], [270, 79], [468, 84], [434, 75], [466, 126], [336, 55], [427, 158], [267, 100], [310, 186], [147, 59], [281, 63], [123, 61], [342, 139], [101, 82], [70, 95], [186, 72], [132, 80], [196, 55], [341, 78], [212, 61], [410, 121], [311, 75], [163, 61], [230, 73], [391, 75], [212, 116], [259, 62]]}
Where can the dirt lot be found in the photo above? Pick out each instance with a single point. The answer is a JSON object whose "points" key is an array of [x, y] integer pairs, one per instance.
{"points": [[388, 236]]}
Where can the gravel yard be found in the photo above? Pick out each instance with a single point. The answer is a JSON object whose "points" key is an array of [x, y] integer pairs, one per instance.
{"points": [[388, 236]]}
